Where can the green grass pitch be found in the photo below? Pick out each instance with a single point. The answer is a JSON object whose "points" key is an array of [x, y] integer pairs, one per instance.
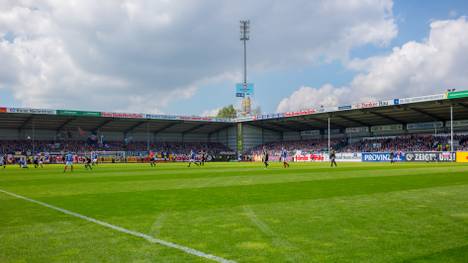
{"points": [[358, 212]]}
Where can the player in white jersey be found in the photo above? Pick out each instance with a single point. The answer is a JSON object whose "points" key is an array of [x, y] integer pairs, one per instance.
{"points": [[193, 158]]}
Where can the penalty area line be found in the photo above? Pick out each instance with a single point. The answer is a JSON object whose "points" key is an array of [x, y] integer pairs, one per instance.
{"points": [[148, 238]]}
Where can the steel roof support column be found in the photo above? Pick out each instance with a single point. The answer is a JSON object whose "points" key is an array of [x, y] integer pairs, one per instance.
{"points": [[329, 135], [33, 137], [451, 127]]}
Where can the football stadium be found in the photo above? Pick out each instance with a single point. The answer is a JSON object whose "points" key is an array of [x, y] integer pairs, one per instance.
{"points": [[398, 192], [364, 157]]}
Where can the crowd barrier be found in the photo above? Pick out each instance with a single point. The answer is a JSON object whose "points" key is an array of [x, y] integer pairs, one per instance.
{"points": [[423, 156], [409, 157]]}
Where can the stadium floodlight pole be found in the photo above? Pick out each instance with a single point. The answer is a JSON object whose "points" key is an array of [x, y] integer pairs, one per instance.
{"points": [[244, 36], [451, 127]]}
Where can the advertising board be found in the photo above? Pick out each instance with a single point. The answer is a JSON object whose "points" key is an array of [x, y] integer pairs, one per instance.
{"points": [[410, 157], [122, 115], [457, 123], [32, 111], [462, 157], [310, 133], [422, 98], [79, 113], [424, 125], [430, 156], [457, 94], [391, 127], [381, 157], [348, 157], [313, 157], [357, 130]]}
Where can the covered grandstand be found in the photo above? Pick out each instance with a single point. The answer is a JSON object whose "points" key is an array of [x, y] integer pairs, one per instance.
{"points": [[427, 114]]}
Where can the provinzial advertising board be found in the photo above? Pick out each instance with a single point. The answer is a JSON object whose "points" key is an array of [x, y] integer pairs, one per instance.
{"points": [[410, 157], [382, 157], [430, 156]]}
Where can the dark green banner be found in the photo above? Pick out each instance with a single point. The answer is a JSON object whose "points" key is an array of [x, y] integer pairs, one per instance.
{"points": [[457, 94], [79, 113]]}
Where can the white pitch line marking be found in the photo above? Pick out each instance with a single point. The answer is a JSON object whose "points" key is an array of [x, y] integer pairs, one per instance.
{"points": [[148, 238]]}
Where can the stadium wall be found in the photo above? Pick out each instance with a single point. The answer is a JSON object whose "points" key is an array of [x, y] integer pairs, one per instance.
{"points": [[254, 136]]}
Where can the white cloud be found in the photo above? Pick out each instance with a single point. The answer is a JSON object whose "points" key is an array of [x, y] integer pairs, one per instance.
{"points": [[210, 113], [307, 97], [144, 55], [415, 68]]}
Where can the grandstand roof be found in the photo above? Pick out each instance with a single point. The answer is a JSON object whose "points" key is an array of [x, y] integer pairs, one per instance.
{"points": [[438, 110], [109, 124], [395, 111]]}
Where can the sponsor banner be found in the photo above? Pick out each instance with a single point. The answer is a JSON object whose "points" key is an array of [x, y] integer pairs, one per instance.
{"points": [[382, 128], [410, 157], [313, 157], [424, 125], [122, 115], [381, 157], [347, 107], [310, 133], [299, 113], [383, 103], [462, 157], [323, 157], [160, 117], [364, 105], [195, 118], [348, 157], [457, 94], [430, 156], [270, 116], [357, 130], [459, 123], [242, 119], [422, 98], [31, 111], [3, 109], [79, 113]]}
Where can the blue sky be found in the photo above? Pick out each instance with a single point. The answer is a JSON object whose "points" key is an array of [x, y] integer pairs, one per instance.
{"points": [[185, 57], [413, 24]]}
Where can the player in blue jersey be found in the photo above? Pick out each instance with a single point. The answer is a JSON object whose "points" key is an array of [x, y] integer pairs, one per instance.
{"points": [[193, 158], [94, 158], [3, 161], [284, 156], [68, 162]]}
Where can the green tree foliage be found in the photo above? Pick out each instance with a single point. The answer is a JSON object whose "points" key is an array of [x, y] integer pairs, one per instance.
{"points": [[227, 112]]}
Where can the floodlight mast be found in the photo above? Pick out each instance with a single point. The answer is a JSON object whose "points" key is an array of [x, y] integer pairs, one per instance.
{"points": [[244, 36]]}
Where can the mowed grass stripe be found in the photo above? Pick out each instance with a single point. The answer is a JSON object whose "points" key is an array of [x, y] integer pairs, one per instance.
{"points": [[120, 204], [54, 175], [79, 187]]}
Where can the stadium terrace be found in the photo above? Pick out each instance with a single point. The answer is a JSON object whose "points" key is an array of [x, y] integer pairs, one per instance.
{"points": [[399, 124]]}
